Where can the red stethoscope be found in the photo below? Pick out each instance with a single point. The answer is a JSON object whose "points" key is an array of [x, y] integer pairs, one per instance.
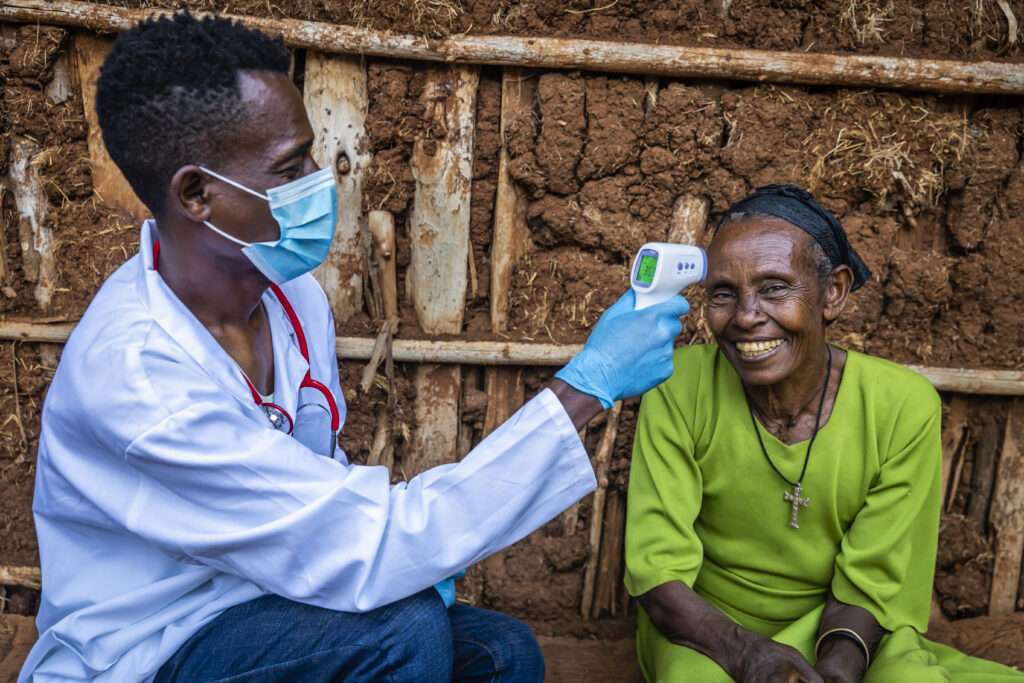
{"points": [[275, 413]]}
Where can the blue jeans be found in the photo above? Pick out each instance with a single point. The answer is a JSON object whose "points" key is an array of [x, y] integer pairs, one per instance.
{"points": [[415, 639]]}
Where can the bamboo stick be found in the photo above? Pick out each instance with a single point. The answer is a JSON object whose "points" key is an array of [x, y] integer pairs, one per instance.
{"points": [[1007, 516], [604, 451], [589, 55], [26, 577], [954, 380], [336, 100]]}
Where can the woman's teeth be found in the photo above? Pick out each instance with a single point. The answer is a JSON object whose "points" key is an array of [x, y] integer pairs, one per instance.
{"points": [[758, 348]]}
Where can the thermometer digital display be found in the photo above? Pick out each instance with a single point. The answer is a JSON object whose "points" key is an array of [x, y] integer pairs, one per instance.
{"points": [[662, 269]]}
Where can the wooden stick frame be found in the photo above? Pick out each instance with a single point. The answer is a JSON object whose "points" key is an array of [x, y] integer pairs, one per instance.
{"points": [[954, 380], [589, 55]]}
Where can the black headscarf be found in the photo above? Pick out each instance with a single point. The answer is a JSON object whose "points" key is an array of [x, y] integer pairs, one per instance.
{"points": [[797, 206]]}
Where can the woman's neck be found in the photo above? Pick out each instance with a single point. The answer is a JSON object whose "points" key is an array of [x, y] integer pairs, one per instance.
{"points": [[790, 409]]}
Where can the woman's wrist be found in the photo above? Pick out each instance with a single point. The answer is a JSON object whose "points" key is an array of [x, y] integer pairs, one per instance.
{"points": [[841, 658]]}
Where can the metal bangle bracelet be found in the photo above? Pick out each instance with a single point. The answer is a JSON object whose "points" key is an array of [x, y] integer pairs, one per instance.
{"points": [[846, 633]]}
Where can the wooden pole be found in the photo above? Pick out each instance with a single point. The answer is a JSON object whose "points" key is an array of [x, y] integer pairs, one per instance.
{"points": [[511, 234], [1007, 516], [608, 579], [689, 219], [382, 251], [439, 221], [983, 475], [953, 431], [107, 182], [436, 279], [34, 229], [336, 100], [601, 459], [26, 577], [589, 55], [954, 380], [511, 241]]}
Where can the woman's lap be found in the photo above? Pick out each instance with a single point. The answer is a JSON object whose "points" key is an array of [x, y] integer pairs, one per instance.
{"points": [[903, 655]]}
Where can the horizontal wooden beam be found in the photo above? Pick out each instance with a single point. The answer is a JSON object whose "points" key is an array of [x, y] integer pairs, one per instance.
{"points": [[968, 381], [469, 352], [27, 577], [956, 380], [589, 55]]}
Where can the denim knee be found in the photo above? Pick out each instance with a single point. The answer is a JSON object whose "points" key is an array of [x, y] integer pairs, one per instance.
{"points": [[420, 648], [490, 646]]}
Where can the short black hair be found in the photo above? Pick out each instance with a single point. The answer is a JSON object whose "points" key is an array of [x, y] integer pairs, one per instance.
{"points": [[169, 90]]}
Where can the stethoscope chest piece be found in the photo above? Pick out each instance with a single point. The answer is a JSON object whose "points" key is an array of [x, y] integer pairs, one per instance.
{"points": [[277, 417]]}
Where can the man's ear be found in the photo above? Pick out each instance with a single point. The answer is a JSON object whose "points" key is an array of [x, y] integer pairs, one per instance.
{"points": [[188, 193], [836, 292]]}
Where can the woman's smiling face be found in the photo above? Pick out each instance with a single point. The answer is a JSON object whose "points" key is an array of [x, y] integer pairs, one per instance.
{"points": [[766, 304]]}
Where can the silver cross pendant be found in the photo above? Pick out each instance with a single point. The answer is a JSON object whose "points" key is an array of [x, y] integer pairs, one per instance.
{"points": [[796, 501]]}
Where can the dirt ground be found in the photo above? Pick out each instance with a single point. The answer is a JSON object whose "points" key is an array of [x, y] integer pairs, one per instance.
{"points": [[931, 189]]}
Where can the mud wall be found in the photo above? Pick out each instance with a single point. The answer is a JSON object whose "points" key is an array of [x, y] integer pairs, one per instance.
{"points": [[931, 189]]}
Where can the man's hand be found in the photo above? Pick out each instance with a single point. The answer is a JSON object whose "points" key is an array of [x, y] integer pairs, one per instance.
{"points": [[765, 661], [629, 351]]}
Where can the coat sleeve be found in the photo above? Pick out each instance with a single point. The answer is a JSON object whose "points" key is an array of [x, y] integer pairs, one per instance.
{"points": [[214, 487], [664, 496], [886, 560]]}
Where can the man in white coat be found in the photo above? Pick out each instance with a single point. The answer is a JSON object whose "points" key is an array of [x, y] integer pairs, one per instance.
{"points": [[195, 521]]}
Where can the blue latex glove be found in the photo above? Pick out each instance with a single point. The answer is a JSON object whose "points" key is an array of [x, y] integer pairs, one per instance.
{"points": [[629, 352], [446, 588]]}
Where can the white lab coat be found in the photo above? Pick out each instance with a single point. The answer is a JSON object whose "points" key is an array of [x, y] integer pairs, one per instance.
{"points": [[163, 497]]}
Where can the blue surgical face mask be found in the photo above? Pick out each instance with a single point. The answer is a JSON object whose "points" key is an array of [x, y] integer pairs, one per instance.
{"points": [[307, 212]]}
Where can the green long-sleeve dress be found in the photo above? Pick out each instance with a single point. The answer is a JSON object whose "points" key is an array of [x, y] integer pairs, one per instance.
{"points": [[705, 508]]}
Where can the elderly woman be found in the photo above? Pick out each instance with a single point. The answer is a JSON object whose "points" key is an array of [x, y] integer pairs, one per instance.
{"points": [[784, 492]]}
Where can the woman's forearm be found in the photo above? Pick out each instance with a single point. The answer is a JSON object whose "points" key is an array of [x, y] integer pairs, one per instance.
{"points": [[687, 619]]}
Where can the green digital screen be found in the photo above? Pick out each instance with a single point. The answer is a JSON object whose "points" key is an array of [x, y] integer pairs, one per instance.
{"points": [[645, 273]]}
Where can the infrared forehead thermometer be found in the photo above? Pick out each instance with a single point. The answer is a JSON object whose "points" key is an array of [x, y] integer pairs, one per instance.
{"points": [[661, 270]]}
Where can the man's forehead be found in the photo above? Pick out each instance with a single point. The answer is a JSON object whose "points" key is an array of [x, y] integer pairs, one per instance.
{"points": [[274, 118]]}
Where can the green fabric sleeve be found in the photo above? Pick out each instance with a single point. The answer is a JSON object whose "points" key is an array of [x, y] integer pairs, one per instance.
{"points": [[886, 561], [664, 492]]}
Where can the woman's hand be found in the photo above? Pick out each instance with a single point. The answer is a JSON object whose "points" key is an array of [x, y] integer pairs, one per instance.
{"points": [[687, 619], [765, 661]]}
